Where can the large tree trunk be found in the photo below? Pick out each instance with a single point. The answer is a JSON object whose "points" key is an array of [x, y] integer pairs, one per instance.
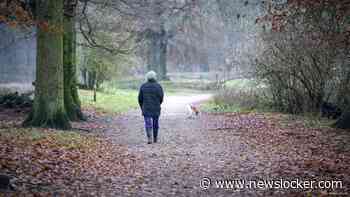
{"points": [[163, 45], [157, 53], [48, 109], [153, 52], [71, 97]]}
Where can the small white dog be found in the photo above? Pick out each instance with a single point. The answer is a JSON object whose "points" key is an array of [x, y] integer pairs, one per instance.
{"points": [[192, 111]]}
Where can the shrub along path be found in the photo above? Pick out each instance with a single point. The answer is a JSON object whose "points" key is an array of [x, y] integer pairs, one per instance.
{"points": [[251, 146]]}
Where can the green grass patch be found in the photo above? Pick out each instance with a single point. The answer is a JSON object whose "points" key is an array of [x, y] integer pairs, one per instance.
{"points": [[111, 100]]}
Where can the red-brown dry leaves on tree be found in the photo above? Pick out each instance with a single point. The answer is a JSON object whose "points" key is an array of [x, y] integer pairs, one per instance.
{"points": [[277, 15], [13, 14]]}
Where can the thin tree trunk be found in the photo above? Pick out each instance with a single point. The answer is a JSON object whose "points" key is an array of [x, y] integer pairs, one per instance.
{"points": [[91, 79], [95, 93], [71, 96], [48, 109], [84, 76], [95, 86]]}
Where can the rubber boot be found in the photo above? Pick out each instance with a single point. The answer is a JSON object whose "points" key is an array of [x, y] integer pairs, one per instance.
{"points": [[149, 134], [155, 135]]}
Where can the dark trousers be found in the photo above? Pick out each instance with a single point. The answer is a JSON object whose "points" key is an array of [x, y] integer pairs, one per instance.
{"points": [[152, 123]]}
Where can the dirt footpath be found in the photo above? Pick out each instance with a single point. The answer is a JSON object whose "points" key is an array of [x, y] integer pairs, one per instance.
{"points": [[190, 150]]}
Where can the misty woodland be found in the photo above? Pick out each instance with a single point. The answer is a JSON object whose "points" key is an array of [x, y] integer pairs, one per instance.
{"points": [[175, 98]]}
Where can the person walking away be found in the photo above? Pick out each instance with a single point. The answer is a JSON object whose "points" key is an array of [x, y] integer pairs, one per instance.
{"points": [[150, 99]]}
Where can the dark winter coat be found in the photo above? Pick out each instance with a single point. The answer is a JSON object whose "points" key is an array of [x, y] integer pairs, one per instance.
{"points": [[150, 98]]}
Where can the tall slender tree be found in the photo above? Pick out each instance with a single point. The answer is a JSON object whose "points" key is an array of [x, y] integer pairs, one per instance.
{"points": [[48, 109]]}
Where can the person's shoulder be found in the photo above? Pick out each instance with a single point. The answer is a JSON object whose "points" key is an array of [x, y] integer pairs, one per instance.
{"points": [[159, 86]]}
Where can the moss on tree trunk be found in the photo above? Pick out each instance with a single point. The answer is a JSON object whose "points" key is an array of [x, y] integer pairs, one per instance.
{"points": [[71, 97], [48, 109]]}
